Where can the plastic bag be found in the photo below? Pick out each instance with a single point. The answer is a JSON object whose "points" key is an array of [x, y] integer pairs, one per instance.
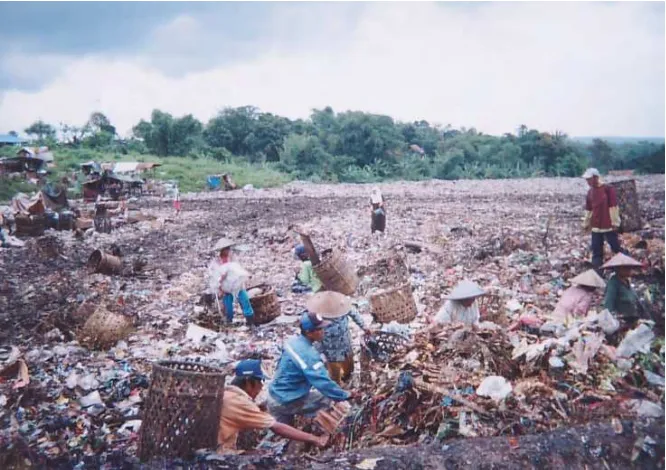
{"points": [[608, 323], [495, 387], [637, 340]]}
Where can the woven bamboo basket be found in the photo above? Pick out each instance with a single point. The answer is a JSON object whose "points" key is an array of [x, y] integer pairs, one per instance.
{"points": [[182, 411], [32, 225], [336, 273], [104, 329], [265, 305], [395, 304], [627, 201]]}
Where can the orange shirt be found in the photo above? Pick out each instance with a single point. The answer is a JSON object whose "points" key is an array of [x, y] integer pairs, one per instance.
{"points": [[239, 412]]}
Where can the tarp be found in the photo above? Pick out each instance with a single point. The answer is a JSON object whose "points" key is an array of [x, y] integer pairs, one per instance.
{"points": [[129, 167], [25, 205], [52, 197], [125, 167], [214, 181]]}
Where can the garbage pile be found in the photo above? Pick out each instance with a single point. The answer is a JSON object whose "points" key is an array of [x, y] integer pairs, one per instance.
{"points": [[78, 401], [461, 381]]}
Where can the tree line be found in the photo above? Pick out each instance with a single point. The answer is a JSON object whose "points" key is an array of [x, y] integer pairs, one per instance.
{"points": [[355, 146]]}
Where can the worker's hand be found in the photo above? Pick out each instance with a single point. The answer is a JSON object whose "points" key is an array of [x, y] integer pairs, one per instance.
{"points": [[367, 331], [320, 441], [354, 395]]}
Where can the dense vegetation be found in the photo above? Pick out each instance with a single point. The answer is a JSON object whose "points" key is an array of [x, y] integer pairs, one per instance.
{"points": [[354, 146]]}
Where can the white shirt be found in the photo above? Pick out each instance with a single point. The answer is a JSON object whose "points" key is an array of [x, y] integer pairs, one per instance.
{"points": [[454, 311], [234, 280]]}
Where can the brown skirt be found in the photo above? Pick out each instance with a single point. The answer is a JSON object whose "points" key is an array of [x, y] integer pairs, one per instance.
{"points": [[341, 371], [378, 221]]}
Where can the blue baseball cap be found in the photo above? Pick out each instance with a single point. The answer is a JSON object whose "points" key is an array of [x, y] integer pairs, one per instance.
{"points": [[250, 368], [299, 250], [312, 322]]}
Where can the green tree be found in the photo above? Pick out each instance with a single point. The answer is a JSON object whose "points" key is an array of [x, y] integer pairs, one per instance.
{"points": [[601, 155], [165, 136], [42, 130]]}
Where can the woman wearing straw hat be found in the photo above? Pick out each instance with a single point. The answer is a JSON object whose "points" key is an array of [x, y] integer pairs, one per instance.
{"points": [[378, 211], [228, 278], [337, 342], [620, 298], [461, 305], [576, 300]]}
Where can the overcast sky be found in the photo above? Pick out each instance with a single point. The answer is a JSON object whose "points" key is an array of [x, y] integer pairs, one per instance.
{"points": [[583, 68]]}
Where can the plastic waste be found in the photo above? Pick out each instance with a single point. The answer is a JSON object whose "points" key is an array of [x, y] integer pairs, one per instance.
{"points": [[608, 323], [646, 408], [495, 387], [654, 379], [636, 340], [91, 399]]}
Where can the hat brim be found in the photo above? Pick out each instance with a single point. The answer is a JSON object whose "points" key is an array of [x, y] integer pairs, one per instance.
{"points": [[621, 260], [223, 244], [589, 279], [329, 304], [468, 290]]}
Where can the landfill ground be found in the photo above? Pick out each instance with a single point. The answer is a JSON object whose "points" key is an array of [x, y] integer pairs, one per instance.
{"points": [[520, 239]]}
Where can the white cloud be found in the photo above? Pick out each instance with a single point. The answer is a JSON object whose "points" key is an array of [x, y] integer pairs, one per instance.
{"points": [[586, 69]]}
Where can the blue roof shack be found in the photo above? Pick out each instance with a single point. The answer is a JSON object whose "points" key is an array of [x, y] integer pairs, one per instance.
{"points": [[9, 139]]}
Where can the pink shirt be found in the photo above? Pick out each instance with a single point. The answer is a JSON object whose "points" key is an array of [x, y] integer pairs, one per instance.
{"points": [[574, 301]]}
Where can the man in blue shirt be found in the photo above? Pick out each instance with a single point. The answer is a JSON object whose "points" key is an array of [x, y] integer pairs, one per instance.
{"points": [[299, 370]]}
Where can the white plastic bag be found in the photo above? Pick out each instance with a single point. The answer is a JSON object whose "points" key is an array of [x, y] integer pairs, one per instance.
{"points": [[637, 340], [236, 277], [495, 387], [608, 323], [233, 283]]}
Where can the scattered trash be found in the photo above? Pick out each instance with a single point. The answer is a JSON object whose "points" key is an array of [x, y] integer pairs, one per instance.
{"points": [[85, 401], [368, 464], [636, 340], [494, 387]]}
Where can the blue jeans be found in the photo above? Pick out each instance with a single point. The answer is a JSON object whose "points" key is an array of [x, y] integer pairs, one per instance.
{"points": [[307, 406], [598, 246], [243, 300]]}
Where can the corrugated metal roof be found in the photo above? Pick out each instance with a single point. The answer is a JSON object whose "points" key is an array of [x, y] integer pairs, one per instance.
{"points": [[12, 139]]}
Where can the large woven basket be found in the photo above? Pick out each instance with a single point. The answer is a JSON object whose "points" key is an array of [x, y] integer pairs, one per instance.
{"points": [[265, 305], [336, 273], [627, 201], [32, 225], [395, 304], [104, 329], [182, 412]]}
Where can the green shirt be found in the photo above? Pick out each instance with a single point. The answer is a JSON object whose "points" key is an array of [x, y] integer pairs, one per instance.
{"points": [[308, 277], [621, 299]]}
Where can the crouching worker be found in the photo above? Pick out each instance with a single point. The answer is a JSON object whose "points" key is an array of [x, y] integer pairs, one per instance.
{"points": [[337, 342], [299, 370], [620, 298], [576, 300], [461, 305], [227, 280], [306, 279], [241, 413]]}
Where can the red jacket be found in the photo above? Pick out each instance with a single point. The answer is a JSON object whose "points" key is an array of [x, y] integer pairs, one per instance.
{"points": [[599, 202]]}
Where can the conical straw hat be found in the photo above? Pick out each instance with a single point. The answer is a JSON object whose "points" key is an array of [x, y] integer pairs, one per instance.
{"points": [[621, 259], [223, 243], [329, 304], [465, 290], [589, 278]]}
